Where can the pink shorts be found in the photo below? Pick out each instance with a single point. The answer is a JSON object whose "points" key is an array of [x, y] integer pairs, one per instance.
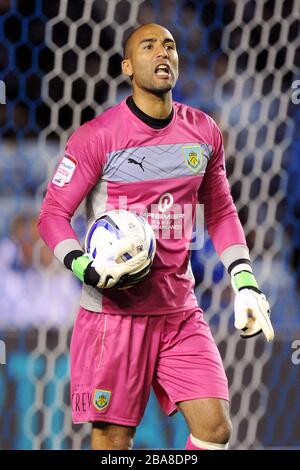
{"points": [[115, 359]]}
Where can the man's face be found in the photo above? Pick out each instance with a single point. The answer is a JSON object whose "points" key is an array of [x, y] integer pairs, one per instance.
{"points": [[152, 59]]}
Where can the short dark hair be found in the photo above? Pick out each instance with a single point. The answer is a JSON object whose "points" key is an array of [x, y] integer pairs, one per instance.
{"points": [[128, 35], [126, 40]]}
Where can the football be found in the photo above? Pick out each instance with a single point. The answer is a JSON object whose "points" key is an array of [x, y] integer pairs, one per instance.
{"points": [[107, 236]]}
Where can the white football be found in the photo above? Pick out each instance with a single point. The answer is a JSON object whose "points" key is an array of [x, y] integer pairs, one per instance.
{"points": [[114, 230]]}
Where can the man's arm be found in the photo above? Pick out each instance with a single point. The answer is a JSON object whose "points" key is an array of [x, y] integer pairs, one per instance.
{"points": [[78, 172], [224, 227]]}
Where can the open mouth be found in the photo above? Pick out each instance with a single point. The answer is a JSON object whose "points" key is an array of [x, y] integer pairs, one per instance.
{"points": [[162, 71]]}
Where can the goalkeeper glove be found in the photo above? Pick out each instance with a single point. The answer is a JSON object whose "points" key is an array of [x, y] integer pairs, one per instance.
{"points": [[121, 275], [251, 308]]}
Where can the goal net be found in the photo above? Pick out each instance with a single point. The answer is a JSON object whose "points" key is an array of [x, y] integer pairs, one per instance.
{"points": [[60, 63]]}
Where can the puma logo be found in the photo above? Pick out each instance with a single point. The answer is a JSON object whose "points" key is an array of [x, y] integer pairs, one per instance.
{"points": [[131, 160]]}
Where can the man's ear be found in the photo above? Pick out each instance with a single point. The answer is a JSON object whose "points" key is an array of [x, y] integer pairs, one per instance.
{"points": [[126, 67]]}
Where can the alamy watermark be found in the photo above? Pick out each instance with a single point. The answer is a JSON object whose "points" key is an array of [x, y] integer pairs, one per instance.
{"points": [[170, 220], [296, 354], [2, 352], [2, 92], [296, 93]]}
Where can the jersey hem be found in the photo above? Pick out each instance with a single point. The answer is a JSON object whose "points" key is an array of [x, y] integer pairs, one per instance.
{"points": [[159, 311], [106, 419]]}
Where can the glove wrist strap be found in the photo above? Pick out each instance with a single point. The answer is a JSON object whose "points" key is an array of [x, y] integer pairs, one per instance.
{"points": [[244, 279], [240, 267], [91, 277], [79, 266]]}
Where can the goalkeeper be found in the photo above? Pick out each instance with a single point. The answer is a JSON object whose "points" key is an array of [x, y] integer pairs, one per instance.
{"points": [[161, 155]]}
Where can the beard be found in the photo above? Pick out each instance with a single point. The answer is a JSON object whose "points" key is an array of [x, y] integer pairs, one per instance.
{"points": [[159, 91], [157, 86]]}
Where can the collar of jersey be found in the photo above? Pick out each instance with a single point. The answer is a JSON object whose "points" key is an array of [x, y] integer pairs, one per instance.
{"points": [[144, 126]]}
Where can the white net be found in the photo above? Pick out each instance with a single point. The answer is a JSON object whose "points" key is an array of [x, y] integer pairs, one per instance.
{"points": [[237, 60]]}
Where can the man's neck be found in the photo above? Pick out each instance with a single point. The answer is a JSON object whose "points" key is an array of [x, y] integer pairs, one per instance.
{"points": [[158, 107], [149, 120]]}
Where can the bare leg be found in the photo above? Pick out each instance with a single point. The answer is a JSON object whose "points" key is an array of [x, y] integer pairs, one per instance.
{"points": [[208, 419], [108, 436]]}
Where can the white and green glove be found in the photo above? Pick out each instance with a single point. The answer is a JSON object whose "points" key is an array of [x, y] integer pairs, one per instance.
{"points": [[121, 275], [251, 308]]}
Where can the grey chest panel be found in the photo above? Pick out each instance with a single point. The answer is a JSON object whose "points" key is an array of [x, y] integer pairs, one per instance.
{"points": [[157, 162]]}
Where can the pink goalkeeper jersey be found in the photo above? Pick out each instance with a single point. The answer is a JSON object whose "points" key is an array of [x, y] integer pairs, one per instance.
{"points": [[116, 160]]}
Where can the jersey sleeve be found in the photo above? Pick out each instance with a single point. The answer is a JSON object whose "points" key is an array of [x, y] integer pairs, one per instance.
{"points": [[77, 173], [220, 213]]}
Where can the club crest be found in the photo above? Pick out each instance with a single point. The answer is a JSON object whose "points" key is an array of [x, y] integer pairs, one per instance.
{"points": [[196, 157], [101, 399]]}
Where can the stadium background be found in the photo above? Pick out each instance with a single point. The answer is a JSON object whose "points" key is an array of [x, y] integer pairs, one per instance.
{"points": [[60, 61]]}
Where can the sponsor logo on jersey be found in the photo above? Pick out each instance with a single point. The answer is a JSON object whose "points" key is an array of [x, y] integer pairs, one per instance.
{"points": [[196, 157], [65, 171], [165, 202], [101, 399], [81, 401]]}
